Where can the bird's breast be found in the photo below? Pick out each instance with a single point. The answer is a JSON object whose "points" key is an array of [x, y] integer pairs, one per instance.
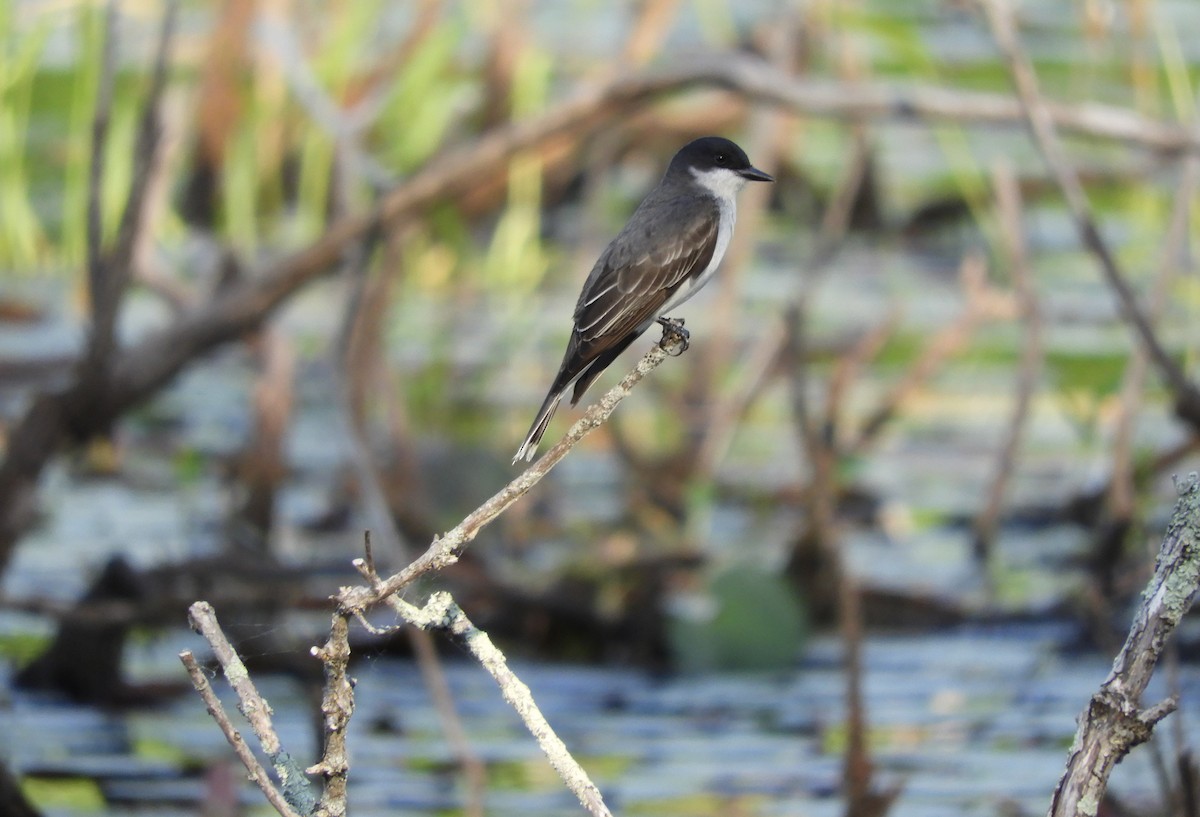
{"points": [[727, 211]]}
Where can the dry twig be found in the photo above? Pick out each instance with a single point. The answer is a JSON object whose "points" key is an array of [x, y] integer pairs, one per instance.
{"points": [[1114, 720], [1008, 200], [253, 706], [446, 548], [258, 775], [1045, 132], [337, 705], [441, 612]]}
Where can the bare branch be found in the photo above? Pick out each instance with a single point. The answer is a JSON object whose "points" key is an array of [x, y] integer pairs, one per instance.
{"points": [[337, 705], [1016, 250], [445, 549], [258, 775], [443, 613], [1044, 128], [100, 121], [1114, 721], [296, 789]]}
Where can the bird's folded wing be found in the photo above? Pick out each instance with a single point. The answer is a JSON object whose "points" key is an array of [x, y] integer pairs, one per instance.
{"points": [[629, 288]]}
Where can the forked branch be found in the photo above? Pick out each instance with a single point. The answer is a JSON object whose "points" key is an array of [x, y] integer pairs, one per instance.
{"points": [[440, 612], [1115, 721]]}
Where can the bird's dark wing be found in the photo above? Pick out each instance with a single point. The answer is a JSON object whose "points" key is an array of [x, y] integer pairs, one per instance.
{"points": [[630, 284], [627, 288]]}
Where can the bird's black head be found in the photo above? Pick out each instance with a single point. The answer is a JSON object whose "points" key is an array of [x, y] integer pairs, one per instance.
{"points": [[714, 153]]}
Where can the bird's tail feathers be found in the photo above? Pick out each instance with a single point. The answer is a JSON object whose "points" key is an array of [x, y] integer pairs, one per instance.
{"points": [[540, 423]]}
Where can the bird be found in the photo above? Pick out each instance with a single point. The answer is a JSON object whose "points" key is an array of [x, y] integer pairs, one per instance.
{"points": [[670, 248]]}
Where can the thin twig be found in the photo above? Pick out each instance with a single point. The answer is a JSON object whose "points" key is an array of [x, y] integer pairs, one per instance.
{"points": [[445, 549], [443, 613], [1114, 721], [257, 774], [1008, 201], [1045, 133], [100, 121], [296, 788]]}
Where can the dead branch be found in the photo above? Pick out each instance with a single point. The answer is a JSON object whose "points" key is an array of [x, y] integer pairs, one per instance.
{"points": [[1045, 133], [337, 705], [1016, 250], [295, 788], [445, 549], [441, 612], [1114, 721], [258, 775]]}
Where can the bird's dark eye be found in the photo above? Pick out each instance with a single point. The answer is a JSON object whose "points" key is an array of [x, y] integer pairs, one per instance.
{"points": [[721, 159]]}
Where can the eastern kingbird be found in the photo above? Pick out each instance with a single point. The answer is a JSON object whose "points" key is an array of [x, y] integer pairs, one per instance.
{"points": [[669, 248]]}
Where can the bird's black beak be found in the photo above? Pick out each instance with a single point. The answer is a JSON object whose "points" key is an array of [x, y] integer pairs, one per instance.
{"points": [[753, 174]]}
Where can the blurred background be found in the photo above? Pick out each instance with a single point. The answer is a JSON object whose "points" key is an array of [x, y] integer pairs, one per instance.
{"points": [[291, 271]]}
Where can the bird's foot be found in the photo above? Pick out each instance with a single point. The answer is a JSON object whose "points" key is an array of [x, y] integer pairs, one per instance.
{"points": [[674, 335]]}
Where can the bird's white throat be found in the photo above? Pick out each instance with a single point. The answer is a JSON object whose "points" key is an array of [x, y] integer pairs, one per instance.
{"points": [[721, 182]]}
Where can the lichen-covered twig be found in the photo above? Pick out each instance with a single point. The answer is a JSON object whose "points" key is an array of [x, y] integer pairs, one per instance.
{"points": [[1114, 720], [258, 775], [295, 787], [441, 612]]}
